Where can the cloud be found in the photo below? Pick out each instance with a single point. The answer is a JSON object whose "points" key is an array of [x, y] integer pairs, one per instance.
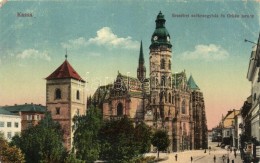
{"points": [[206, 52], [35, 54], [76, 43], [105, 37]]}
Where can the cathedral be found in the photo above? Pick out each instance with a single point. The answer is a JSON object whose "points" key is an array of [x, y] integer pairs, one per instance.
{"points": [[163, 100]]}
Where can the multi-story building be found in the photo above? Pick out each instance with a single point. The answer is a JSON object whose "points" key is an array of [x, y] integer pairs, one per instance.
{"points": [[228, 127], [163, 100], [10, 124], [254, 78], [65, 98], [30, 114]]}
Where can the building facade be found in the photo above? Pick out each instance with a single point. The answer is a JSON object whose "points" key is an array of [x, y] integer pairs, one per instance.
{"points": [[65, 98], [30, 114], [10, 124], [162, 100], [253, 75]]}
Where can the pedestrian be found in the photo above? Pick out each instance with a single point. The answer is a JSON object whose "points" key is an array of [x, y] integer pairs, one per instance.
{"points": [[214, 158], [235, 155], [228, 160], [191, 159], [176, 157], [223, 158], [205, 151]]}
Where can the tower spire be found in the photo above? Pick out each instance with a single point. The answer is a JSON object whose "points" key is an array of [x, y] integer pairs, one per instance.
{"points": [[141, 54], [141, 70]]}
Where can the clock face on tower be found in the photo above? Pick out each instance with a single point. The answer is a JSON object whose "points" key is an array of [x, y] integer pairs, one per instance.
{"points": [[155, 38]]}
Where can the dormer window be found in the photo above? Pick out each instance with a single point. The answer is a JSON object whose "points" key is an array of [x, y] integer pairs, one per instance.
{"points": [[58, 94]]}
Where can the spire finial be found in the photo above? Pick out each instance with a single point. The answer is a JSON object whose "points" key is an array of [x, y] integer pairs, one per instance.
{"points": [[66, 55]]}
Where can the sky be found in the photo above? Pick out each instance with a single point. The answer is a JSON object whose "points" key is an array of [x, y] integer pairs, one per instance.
{"points": [[103, 37]]}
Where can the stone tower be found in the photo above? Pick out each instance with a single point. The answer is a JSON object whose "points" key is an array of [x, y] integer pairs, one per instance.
{"points": [[141, 70], [199, 116], [65, 98], [160, 71]]}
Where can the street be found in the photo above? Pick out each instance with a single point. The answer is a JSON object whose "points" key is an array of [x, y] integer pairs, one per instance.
{"points": [[199, 156]]}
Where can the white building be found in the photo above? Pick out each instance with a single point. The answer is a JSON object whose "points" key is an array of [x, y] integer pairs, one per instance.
{"points": [[253, 77], [10, 124], [237, 130]]}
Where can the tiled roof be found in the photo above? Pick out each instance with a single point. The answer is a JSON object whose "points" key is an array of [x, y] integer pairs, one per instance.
{"points": [[65, 70], [25, 108], [192, 85], [6, 112]]}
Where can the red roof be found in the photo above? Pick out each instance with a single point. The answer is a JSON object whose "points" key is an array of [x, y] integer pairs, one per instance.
{"points": [[65, 71]]}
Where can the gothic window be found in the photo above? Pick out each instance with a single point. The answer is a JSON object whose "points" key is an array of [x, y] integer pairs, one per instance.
{"points": [[162, 64], [163, 81], [165, 97], [161, 96], [120, 109], [183, 108], [58, 94], [169, 81], [78, 95], [170, 97], [170, 65]]}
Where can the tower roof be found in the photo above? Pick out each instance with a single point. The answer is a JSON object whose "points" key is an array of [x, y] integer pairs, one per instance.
{"points": [[191, 84], [65, 70], [161, 35], [141, 54]]}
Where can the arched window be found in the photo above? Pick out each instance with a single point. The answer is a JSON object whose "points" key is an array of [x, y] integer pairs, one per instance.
{"points": [[170, 98], [163, 81], [78, 95], [169, 65], [169, 81], [120, 109], [58, 94], [183, 107], [162, 64], [161, 96]]}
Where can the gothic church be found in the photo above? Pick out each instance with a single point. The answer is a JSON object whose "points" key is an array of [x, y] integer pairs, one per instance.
{"points": [[163, 100]]}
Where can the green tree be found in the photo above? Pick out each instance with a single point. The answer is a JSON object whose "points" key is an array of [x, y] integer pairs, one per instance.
{"points": [[42, 143], [160, 140], [86, 143], [71, 158], [117, 141], [9, 153], [142, 135]]}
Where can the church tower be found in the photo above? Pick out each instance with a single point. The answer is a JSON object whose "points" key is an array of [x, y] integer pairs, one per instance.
{"points": [[160, 71], [65, 98], [141, 70]]}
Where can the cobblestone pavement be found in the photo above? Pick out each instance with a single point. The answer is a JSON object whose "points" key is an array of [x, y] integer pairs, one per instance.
{"points": [[199, 156]]}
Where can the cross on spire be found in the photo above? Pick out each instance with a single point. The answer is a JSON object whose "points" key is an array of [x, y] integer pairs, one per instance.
{"points": [[66, 55]]}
